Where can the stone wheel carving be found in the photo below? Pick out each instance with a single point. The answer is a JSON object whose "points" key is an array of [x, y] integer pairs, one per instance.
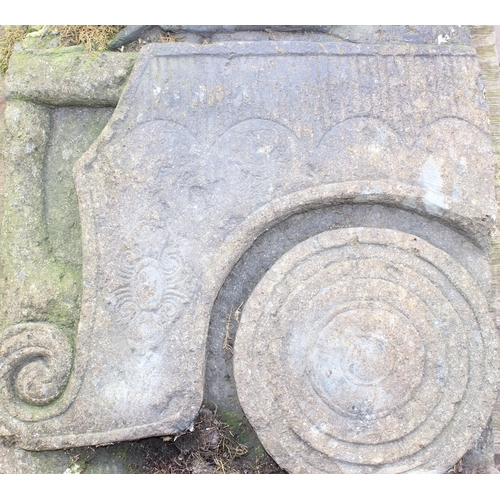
{"points": [[366, 350]]}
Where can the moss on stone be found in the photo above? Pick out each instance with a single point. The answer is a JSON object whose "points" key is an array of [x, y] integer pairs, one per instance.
{"points": [[49, 462], [10, 36], [68, 76], [73, 131], [230, 418], [241, 429], [70, 38], [66, 312]]}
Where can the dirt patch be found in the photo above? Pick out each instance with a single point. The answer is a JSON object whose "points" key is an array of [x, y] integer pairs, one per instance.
{"points": [[212, 447]]}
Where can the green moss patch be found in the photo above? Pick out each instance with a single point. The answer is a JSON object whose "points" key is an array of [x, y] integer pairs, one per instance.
{"points": [[91, 37]]}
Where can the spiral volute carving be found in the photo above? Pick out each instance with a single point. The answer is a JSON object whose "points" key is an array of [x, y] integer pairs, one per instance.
{"points": [[366, 350], [35, 365]]}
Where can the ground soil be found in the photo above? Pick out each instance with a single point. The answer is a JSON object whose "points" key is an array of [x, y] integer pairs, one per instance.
{"points": [[212, 447]]}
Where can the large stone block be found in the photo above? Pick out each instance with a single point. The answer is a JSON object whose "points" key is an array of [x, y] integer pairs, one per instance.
{"points": [[352, 186]]}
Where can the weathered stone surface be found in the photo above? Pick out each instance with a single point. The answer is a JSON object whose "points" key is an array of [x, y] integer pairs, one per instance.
{"points": [[72, 132], [220, 387], [366, 350], [2, 169], [36, 287], [428, 34], [415, 34], [68, 76], [41, 255], [211, 29], [37, 361], [41, 239], [211, 146], [487, 49]]}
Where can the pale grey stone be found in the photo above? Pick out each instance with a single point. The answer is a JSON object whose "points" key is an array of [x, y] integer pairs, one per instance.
{"points": [[428, 34], [273, 243], [375, 356], [36, 363], [210, 147]]}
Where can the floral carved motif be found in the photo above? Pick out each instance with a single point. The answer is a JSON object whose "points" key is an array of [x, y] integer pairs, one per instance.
{"points": [[149, 295]]}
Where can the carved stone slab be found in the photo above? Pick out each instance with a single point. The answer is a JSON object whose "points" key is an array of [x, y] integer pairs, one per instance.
{"points": [[369, 347], [210, 146]]}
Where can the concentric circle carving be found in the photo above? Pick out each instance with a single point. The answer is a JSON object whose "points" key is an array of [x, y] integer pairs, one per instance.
{"points": [[366, 350], [35, 365], [358, 361]]}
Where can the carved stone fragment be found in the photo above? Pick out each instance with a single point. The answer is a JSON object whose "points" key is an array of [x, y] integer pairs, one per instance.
{"points": [[365, 343], [364, 350], [36, 360]]}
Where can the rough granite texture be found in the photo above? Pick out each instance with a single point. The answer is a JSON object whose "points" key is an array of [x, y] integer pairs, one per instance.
{"points": [[2, 170], [370, 347], [362, 322], [278, 240], [68, 76], [41, 247], [72, 132]]}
